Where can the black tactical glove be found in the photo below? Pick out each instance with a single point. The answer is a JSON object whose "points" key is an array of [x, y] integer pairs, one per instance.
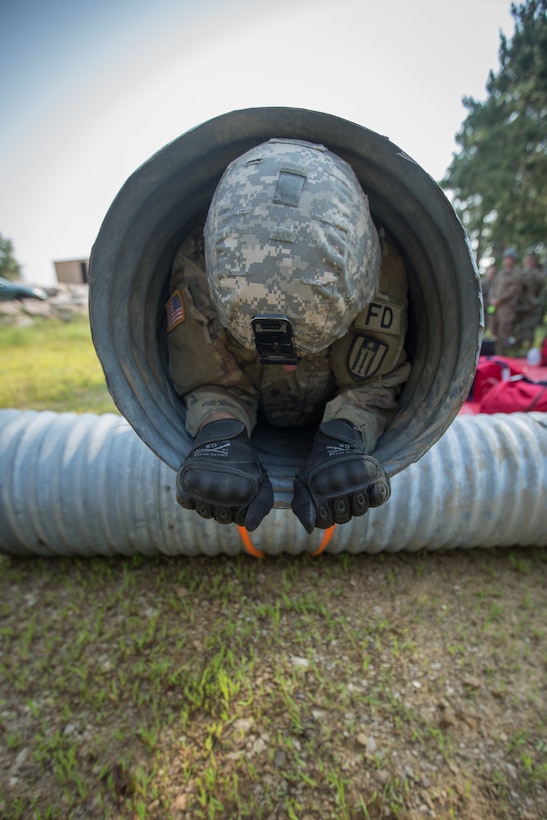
{"points": [[338, 480], [222, 478]]}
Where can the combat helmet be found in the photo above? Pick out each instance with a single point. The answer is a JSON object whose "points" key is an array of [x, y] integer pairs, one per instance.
{"points": [[289, 232]]}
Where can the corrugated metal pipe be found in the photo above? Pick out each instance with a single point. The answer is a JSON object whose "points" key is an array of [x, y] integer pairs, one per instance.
{"points": [[122, 497], [87, 485], [170, 194]]}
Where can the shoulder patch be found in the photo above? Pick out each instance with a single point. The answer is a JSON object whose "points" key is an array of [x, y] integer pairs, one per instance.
{"points": [[174, 308], [365, 357], [380, 316]]}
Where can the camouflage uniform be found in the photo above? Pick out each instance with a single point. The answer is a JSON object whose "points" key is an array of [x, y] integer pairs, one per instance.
{"points": [[531, 305], [506, 297], [289, 232], [488, 286], [357, 378]]}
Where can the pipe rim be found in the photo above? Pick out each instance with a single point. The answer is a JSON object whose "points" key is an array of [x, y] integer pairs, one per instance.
{"points": [[168, 195]]}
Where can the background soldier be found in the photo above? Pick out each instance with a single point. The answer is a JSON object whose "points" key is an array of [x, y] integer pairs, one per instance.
{"points": [[291, 307], [508, 289], [488, 285], [531, 306]]}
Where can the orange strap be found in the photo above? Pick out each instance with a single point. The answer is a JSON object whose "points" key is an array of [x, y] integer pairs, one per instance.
{"points": [[248, 544], [327, 535], [252, 550]]}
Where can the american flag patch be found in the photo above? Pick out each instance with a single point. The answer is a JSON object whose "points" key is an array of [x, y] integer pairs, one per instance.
{"points": [[175, 311]]}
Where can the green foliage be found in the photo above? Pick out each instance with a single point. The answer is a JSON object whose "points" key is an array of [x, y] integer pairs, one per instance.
{"points": [[499, 177], [9, 267]]}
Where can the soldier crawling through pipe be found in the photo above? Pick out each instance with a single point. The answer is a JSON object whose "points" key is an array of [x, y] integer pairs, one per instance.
{"points": [[289, 305]]}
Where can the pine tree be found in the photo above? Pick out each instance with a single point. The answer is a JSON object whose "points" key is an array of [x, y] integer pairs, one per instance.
{"points": [[499, 177]]}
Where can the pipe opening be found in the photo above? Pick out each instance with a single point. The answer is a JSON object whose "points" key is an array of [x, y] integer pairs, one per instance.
{"points": [[169, 195]]}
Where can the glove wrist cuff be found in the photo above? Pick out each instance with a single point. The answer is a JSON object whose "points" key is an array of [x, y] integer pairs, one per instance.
{"points": [[220, 429], [343, 430]]}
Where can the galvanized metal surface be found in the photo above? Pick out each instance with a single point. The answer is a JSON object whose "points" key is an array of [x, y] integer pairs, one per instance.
{"points": [[169, 195], [87, 485]]}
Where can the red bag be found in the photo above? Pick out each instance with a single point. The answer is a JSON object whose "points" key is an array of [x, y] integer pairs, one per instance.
{"points": [[544, 353], [491, 370], [518, 395]]}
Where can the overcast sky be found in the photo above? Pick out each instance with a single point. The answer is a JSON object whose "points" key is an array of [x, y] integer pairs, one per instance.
{"points": [[90, 89]]}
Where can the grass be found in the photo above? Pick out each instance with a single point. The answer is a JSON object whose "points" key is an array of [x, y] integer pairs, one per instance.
{"points": [[130, 690], [52, 365], [351, 686]]}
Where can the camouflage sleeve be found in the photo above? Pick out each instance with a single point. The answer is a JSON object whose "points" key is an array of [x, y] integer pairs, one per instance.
{"points": [[370, 363], [205, 401], [371, 406], [202, 368], [509, 289], [536, 288]]}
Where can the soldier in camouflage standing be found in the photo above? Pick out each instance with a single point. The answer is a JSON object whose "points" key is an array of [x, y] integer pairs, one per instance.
{"points": [[531, 306], [508, 289], [488, 285], [292, 307]]}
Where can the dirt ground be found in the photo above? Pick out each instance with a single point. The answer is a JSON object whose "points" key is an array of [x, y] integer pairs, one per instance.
{"points": [[386, 686]]}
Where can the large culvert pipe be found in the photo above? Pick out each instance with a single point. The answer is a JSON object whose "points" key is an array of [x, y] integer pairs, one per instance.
{"points": [[169, 195], [87, 485]]}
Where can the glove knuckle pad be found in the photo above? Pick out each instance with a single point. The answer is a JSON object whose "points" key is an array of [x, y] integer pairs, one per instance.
{"points": [[379, 492], [225, 486], [359, 503]]}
